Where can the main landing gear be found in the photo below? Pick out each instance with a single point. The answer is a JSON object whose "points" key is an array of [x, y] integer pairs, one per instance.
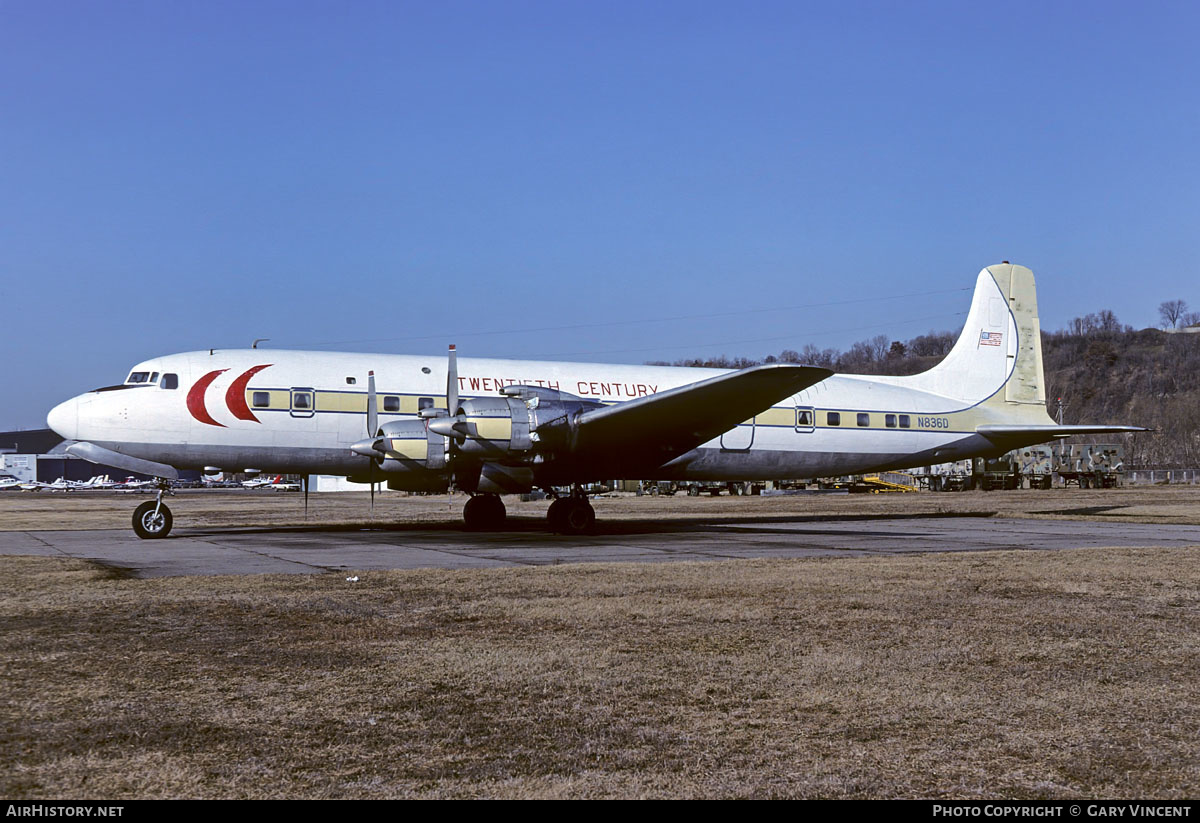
{"points": [[571, 515], [152, 519], [566, 515], [484, 511]]}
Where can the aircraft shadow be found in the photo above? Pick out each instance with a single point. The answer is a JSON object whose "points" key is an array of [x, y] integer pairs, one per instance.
{"points": [[517, 525]]}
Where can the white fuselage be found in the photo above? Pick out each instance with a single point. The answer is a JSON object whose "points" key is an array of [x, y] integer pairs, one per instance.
{"points": [[287, 411]]}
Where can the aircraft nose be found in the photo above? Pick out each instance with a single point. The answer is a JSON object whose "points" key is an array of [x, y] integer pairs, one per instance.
{"points": [[64, 419]]}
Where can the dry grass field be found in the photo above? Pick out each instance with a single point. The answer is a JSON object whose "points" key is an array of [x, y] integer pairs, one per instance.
{"points": [[988, 674]]}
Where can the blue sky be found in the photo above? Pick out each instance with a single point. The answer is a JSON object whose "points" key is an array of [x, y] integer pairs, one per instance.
{"points": [[394, 176]]}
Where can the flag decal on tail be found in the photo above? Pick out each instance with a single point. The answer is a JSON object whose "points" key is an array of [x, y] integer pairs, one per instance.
{"points": [[990, 338]]}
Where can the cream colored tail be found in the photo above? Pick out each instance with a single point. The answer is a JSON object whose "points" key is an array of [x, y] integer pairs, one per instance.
{"points": [[998, 357]]}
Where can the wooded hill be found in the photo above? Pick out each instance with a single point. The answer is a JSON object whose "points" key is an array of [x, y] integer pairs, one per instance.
{"points": [[1103, 372]]}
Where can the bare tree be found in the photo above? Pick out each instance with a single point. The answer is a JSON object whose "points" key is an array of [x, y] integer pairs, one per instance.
{"points": [[1108, 322], [1171, 310]]}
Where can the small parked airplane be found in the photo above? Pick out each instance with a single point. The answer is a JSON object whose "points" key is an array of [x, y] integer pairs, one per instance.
{"points": [[9, 483], [507, 426], [273, 483]]}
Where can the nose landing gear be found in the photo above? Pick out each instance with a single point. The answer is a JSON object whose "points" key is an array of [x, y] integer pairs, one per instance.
{"points": [[152, 520]]}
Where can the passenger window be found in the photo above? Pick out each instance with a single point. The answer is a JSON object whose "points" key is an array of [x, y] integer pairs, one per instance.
{"points": [[391, 404], [169, 381], [424, 403], [302, 400], [864, 419], [261, 399], [904, 422], [833, 419], [889, 420]]}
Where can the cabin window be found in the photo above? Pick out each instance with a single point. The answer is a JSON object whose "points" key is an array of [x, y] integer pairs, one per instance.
{"points": [[904, 421], [260, 399], [424, 403], [301, 400], [864, 419], [169, 381], [350, 381], [889, 420], [833, 419], [391, 403]]}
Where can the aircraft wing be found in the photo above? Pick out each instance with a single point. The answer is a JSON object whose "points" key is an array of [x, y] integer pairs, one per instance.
{"points": [[655, 429]]}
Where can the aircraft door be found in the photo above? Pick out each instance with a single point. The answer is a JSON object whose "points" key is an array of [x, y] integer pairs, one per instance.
{"points": [[304, 402], [806, 417], [740, 438]]}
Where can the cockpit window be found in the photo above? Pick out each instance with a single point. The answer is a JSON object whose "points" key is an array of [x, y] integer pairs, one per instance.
{"points": [[139, 377], [169, 381]]}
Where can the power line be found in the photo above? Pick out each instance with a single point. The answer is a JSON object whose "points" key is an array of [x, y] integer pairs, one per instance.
{"points": [[610, 323], [888, 325]]}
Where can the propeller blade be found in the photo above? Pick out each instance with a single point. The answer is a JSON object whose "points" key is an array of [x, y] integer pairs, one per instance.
{"points": [[372, 407], [452, 382]]}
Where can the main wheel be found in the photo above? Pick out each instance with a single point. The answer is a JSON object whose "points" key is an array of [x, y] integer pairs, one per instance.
{"points": [[150, 526], [577, 517], [554, 514], [484, 511]]}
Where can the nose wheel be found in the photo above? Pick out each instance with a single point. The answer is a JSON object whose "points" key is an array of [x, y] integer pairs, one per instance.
{"points": [[152, 519]]}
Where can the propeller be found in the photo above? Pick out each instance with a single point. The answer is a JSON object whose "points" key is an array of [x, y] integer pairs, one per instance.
{"points": [[452, 382], [372, 430], [451, 409]]}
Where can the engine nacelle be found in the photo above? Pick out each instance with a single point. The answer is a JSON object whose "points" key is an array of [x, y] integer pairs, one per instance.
{"points": [[409, 446], [529, 422]]}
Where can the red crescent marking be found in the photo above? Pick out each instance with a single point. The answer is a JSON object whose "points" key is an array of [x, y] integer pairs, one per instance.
{"points": [[195, 398], [235, 398]]}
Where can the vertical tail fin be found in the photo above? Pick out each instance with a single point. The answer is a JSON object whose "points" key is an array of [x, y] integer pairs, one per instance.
{"points": [[997, 360]]}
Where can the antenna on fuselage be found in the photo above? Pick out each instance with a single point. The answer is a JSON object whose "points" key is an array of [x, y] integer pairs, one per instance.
{"points": [[259, 340]]}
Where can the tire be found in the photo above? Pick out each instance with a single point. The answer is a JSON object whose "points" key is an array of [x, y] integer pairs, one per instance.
{"points": [[149, 527], [555, 512], [578, 517], [484, 511]]}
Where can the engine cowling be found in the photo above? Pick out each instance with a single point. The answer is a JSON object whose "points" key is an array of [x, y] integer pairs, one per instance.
{"points": [[407, 455], [529, 422]]}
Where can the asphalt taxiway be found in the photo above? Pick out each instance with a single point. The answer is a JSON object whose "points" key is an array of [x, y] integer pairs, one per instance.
{"points": [[308, 551]]}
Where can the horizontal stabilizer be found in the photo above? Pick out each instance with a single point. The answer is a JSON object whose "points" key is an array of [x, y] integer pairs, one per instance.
{"points": [[1017, 436], [1057, 431]]}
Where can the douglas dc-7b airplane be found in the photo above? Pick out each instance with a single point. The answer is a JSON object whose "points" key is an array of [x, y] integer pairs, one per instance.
{"points": [[507, 426]]}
